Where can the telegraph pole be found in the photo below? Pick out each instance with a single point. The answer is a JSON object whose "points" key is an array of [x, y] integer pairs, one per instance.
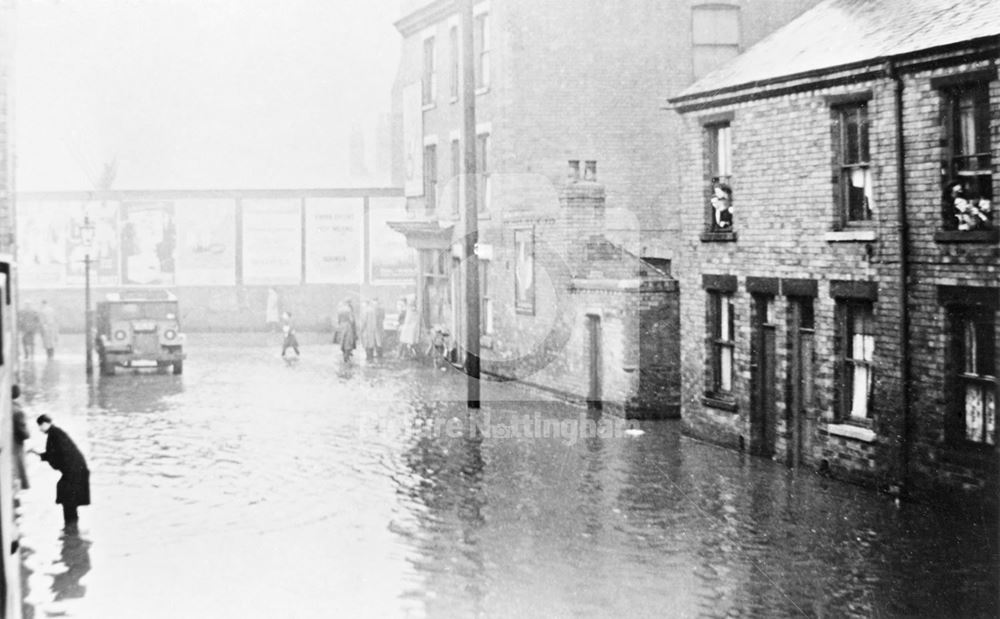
{"points": [[471, 262]]}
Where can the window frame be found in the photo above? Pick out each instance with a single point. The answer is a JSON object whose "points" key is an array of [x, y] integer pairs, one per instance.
{"points": [[976, 174], [486, 317], [846, 166], [960, 314], [719, 171], [482, 44], [430, 177], [454, 79], [848, 363], [721, 323], [483, 148], [429, 71]]}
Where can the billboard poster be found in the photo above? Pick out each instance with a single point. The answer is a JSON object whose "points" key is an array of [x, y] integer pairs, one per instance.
{"points": [[413, 140], [206, 242], [42, 231], [333, 240], [51, 247], [272, 241], [149, 243], [392, 260]]}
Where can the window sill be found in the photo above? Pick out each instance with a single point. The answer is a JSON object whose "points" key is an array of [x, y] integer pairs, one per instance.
{"points": [[850, 236], [967, 236], [846, 430], [971, 455], [453, 100], [718, 237], [717, 402], [428, 106], [482, 90]]}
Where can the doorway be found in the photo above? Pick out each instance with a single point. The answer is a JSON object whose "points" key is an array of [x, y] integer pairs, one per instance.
{"points": [[763, 378], [801, 331]]}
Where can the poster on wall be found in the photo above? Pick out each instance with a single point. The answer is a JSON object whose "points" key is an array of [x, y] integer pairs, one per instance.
{"points": [[149, 243], [524, 271], [272, 242], [413, 140], [391, 259], [42, 230], [333, 240], [206, 242], [51, 248]]}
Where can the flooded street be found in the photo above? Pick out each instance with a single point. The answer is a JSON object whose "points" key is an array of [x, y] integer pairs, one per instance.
{"points": [[249, 487]]}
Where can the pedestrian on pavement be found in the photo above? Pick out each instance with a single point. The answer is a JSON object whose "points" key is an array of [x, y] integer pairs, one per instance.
{"points": [[409, 331], [290, 340], [50, 329], [348, 331], [29, 323], [272, 313], [21, 434], [62, 454], [370, 335], [379, 327]]}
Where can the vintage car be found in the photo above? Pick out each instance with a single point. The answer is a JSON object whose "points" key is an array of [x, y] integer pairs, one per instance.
{"points": [[141, 328]]}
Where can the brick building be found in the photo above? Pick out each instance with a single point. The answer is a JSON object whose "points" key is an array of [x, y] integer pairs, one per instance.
{"points": [[840, 297], [6, 126], [561, 84]]}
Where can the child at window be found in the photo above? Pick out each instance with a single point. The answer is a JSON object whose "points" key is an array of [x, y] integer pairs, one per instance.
{"points": [[971, 214], [721, 202]]}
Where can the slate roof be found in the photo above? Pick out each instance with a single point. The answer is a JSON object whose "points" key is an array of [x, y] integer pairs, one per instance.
{"points": [[835, 33]]}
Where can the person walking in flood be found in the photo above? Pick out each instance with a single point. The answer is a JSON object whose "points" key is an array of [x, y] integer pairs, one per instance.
{"points": [[29, 322], [271, 312], [348, 329], [62, 454], [371, 332], [50, 329], [409, 330], [290, 340], [21, 435]]}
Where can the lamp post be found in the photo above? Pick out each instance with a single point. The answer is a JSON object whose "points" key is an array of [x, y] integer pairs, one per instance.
{"points": [[87, 237]]}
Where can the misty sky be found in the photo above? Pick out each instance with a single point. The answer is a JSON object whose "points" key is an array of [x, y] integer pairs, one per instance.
{"points": [[229, 94]]}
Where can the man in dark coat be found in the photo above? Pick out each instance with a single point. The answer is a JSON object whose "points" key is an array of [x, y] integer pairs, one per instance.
{"points": [[73, 488]]}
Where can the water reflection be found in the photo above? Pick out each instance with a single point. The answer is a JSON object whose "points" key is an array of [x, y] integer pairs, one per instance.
{"points": [[260, 474], [75, 557]]}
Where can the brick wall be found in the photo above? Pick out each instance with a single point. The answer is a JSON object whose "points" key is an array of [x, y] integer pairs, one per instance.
{"points": [[786, 227], [6, 130]]}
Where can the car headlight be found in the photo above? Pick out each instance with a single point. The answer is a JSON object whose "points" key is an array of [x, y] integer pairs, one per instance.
{"points": [[169, 334], [120, 335]]}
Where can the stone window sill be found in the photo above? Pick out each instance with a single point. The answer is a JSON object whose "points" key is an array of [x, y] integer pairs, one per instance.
{"points": [[850, 236], [719, 403], [718, 237], [971, 455], [482, 90], [846, 430], [967, 236], [428, 106]]}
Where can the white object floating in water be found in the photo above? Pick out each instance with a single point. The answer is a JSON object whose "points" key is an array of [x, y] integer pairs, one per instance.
{"points": [[634, 432]]}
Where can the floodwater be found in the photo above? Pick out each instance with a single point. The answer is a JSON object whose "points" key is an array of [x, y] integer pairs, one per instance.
{"points": [[249, 487]]}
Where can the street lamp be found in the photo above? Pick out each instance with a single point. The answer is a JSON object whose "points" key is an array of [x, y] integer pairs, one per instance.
{"points": [[87, 237]]}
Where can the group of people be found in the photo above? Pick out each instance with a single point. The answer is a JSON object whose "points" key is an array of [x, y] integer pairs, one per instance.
{"points": [[62, 454], [32, 322]]}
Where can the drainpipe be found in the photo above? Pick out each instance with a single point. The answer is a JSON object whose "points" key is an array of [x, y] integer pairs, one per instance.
{"points": [[902, 228]]}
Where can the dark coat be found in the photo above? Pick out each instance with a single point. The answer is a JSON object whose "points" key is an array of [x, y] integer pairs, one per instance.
{"points": [[73, 488]]}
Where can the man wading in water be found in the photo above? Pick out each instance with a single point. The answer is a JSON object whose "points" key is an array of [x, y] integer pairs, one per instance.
{"points": [[73, 488]]}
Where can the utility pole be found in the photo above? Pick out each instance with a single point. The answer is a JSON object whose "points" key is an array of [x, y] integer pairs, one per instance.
{"points": [[471, 262]]}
